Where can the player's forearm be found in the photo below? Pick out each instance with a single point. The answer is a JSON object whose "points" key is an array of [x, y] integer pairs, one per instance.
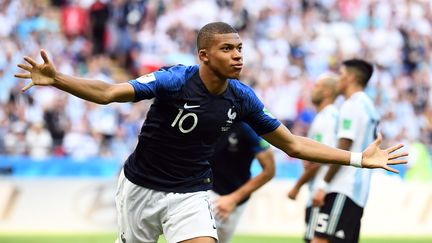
{"points": [[307, 175], [266, 160], [305, 148], [251, 186], [88, 89], [308, 149], [332, 171]]}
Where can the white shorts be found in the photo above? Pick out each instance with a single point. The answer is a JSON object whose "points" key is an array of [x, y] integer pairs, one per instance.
{"points": [[144, 214], [227, 227]]}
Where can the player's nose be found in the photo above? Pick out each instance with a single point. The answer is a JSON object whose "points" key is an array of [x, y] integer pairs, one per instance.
{"points": [[237, 55]]}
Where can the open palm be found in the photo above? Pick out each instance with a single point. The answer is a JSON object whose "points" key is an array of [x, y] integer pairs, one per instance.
{"points": [[374, 157], [40, 74]]}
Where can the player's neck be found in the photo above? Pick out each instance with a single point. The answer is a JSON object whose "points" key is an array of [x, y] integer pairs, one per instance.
{"points": [[324, 104], [352, 90], [212, 82]]}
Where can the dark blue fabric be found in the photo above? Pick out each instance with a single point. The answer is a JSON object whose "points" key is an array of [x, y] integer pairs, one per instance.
{"points": [[232, 160], [182, 126]]}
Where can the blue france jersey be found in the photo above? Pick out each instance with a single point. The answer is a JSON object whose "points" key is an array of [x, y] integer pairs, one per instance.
{"points": [[182, 126], [233, 157]]}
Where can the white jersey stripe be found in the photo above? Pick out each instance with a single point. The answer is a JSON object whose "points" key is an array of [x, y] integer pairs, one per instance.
{"points": [[332, 218], [336, 213], [312, 223]]}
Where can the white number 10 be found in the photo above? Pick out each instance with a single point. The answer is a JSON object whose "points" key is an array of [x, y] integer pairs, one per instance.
{"points": [[182, 119]]}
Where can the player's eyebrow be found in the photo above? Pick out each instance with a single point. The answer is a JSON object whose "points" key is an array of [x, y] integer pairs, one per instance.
{"points": [[224, 44]]}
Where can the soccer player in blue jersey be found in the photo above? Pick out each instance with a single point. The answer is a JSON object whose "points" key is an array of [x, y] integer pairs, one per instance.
{"points": [[233, 185], [165, 179]]}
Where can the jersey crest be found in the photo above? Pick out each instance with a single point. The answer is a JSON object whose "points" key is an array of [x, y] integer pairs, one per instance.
{"points": [[231, 117]]}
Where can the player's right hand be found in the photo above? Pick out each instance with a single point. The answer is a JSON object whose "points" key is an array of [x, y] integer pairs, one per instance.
{"points": [[40, 74], [224, 206]]}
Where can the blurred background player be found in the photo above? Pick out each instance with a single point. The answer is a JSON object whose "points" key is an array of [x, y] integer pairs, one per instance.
{"points": [[342, 207], [323, 129], [233, 185]]}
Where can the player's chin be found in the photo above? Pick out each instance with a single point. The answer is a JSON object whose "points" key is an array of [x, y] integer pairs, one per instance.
{"points": [[234, 77], [235, 74]]}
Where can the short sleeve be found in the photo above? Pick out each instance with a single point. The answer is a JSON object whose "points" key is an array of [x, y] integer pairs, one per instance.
{"points": [[161, 83], [348, 121]]}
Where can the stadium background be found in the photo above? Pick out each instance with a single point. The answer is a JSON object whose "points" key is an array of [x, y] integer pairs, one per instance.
{"points": [[59, 156]]}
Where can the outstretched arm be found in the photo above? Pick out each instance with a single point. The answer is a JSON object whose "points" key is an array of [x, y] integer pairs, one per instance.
{"points": [[96, 91], [224, 205], [308, 149]]}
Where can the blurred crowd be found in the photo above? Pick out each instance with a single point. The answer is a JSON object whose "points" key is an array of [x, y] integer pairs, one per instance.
{"points": [[287, 44]]}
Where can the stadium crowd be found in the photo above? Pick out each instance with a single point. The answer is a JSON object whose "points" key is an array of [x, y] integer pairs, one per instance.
{"points": [[287, 44]]}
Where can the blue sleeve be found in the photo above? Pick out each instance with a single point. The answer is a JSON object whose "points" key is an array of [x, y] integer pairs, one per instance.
{"points": [[256, 115], [257, 143], [161, 83]]}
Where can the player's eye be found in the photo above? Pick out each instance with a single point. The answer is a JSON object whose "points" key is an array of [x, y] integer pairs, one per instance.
{"points": [[226, 48]]}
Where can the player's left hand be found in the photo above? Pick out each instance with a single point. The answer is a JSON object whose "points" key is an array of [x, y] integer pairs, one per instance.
{"points": [[318, 198], [224, 206], [292, 194], [374, 157]]}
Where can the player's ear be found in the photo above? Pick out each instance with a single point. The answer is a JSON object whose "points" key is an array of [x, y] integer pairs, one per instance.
{"points": [[203, 56]]}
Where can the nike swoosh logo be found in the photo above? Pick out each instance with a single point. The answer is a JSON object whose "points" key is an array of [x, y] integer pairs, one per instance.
{"points": [[186, 106]]}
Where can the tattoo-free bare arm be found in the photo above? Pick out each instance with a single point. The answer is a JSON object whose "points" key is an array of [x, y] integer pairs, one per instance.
{"points": [[308, 149], [95, 90], [305, 148], [307, 175], [45, 74]]}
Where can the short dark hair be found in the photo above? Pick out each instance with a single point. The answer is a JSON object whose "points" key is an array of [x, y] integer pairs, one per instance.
{"points": [[206, 33], [362, 69]]}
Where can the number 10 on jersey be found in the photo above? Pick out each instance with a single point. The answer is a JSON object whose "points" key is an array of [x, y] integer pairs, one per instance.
{"points": [[180, 118]]}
